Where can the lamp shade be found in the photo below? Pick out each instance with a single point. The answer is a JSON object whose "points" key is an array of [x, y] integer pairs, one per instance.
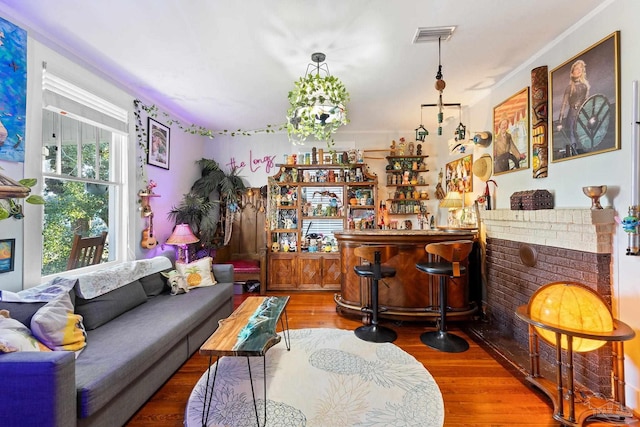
{"points": [[452, 200], [182, 235], [570, 306]]}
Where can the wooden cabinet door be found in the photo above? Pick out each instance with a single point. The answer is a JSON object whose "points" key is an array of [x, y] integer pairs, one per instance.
{"points": [[319, 272], [283, 271]]}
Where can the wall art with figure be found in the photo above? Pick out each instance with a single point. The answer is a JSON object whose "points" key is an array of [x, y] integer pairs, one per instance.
{"points": [[459, 176], [13, 91], [585, 115], [511, 134], [159, 144]]}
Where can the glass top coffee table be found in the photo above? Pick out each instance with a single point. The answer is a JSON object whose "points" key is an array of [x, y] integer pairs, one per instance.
{"points": [[248, 332]]}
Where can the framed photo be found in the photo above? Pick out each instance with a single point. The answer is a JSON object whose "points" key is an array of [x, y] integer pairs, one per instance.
{"points": [[585, 93], [7, 255], [459, 175], [158, 144], [511, 134]]}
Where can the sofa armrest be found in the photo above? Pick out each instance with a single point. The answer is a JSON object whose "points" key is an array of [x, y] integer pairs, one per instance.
{"points": [[38, 389], [223, 273]]}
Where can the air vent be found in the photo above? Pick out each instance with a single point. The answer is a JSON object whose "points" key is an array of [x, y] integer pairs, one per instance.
{"points": [[432, 34]]}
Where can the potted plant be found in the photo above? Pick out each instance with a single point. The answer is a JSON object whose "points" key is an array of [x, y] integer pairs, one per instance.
{"points": [[201, 207]]}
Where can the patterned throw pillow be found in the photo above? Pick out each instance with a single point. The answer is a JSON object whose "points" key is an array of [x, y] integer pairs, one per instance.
{"points": [[58, 327], [14, 336], [197, 273]]}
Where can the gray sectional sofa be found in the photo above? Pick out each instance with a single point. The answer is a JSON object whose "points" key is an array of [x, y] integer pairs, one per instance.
{"points": [[128, 355]]}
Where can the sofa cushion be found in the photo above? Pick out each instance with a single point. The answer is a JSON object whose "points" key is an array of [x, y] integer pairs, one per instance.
{"points": [[58, 327], [22, 311], [100, 310], [154, 284]]}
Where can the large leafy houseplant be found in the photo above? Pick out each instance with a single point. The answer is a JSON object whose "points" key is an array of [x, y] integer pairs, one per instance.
{"points": [[317, 107], [201, 207]]}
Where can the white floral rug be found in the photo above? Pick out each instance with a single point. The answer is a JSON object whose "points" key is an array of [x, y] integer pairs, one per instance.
{"points": [[329, 378]]}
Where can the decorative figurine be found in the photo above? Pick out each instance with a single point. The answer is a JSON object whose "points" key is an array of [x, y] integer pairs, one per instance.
{"points": [[419, 150]]}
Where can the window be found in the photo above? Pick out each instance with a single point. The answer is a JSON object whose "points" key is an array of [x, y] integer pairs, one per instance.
{"points": [[83, 159]]}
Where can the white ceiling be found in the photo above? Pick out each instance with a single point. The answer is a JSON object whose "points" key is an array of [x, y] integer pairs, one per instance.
{"points": [[230, 64]]}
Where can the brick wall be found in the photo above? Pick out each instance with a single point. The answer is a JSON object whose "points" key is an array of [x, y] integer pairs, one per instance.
{"points": [[571, 245]]}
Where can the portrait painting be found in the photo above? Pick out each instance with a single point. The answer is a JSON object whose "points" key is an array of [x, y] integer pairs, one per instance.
{"points": [[459, 176], [585, 95], [511, 134], [13, 91], [158, 146]]}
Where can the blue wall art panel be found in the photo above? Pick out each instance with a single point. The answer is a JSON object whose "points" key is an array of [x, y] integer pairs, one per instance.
{"points": [[13, 91]]}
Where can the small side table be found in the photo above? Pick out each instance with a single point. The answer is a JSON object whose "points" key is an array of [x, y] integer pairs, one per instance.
{"points": [[566, 410]]}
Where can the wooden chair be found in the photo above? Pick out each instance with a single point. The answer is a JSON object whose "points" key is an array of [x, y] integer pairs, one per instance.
{"points": [[86, 251], [452, 254], [374, 271]]}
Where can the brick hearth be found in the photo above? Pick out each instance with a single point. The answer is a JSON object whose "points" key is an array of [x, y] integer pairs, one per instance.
{"points": [[571, 245]]}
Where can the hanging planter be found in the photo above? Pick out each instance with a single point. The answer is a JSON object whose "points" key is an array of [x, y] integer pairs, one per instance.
{"points": [[317, 105]]}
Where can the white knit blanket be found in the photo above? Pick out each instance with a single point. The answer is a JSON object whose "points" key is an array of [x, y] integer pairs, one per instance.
{"points": [[99, 282]]}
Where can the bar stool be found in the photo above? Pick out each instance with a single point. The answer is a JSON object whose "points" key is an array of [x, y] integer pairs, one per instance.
{"points": [[453, 252], [374, 271]]}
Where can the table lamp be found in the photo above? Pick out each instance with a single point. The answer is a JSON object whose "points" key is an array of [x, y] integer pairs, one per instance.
{"points": [[182, 237], [452, 201]]}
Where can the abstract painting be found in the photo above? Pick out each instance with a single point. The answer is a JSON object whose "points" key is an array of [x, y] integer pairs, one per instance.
{"points": [[13, 91]]}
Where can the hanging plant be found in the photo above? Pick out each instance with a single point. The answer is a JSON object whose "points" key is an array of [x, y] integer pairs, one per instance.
{"points": [[317, 107], [11, 191]]}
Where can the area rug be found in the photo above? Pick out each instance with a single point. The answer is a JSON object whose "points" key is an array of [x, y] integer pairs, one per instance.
{"points": [[329, 378]]}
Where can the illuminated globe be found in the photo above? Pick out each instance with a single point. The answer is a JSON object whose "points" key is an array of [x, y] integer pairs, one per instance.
{"points": [[570, 306]]}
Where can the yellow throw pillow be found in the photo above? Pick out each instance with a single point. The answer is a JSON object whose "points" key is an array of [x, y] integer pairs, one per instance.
{"points": [[58, 327], [197, 273]]}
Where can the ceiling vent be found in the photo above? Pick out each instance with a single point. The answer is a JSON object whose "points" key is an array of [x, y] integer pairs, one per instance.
{"points": [[432, 34]]}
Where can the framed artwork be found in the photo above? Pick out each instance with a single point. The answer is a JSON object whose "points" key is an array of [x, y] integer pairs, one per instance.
{"points": [[158, 144], [7, 255], [585, 93], [13, 91], [511, 134], [459, 176]]}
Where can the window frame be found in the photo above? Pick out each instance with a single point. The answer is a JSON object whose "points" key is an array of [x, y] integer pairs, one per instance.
{"points": [[120, 171]]}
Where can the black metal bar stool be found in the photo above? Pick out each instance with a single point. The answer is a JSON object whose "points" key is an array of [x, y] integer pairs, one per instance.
{"points": [[453, 252], [374, 271]]}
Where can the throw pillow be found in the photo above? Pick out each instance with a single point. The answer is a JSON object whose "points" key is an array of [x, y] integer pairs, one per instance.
{"points": [[58, 327], [14, 336], [197, 273]]}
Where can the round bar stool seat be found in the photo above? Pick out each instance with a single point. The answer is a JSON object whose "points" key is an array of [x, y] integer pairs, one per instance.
{"points": [[374, 271], [452, 253]]}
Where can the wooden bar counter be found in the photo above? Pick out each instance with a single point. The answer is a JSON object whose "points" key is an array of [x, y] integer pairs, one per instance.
{"points": [[411, 294]]}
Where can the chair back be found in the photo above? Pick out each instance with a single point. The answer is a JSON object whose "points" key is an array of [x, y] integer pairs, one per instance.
{"points": [[86, 251], [369, 252], [453, 251]]}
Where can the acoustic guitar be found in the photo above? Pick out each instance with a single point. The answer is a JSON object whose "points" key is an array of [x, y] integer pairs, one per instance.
{"points": [[148, 240]]}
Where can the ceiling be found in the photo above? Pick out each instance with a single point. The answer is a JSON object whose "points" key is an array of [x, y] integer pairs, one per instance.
{"points": [[229, 65]]}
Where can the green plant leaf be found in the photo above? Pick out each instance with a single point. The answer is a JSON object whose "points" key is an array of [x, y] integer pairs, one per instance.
{"points": [[35, 199], [28, 182]]}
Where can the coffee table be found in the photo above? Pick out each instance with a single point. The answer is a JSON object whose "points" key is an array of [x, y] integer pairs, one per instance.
{"points": [[248, 332]]}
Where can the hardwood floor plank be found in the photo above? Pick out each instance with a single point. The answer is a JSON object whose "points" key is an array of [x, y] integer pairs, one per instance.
{"points": [[478, 391]]}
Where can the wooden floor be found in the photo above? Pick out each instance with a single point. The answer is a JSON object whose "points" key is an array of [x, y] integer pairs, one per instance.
{"points": [[477, 389]]}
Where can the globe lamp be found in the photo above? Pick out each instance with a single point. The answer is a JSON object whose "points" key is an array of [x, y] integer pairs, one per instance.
{"points": [[570, 306]]}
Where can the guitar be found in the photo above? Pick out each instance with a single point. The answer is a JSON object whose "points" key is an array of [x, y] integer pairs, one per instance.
{"points": [[148, 240]]}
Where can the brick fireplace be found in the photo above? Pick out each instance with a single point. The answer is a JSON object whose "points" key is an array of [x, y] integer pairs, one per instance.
{"points": [[567, 245]]}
